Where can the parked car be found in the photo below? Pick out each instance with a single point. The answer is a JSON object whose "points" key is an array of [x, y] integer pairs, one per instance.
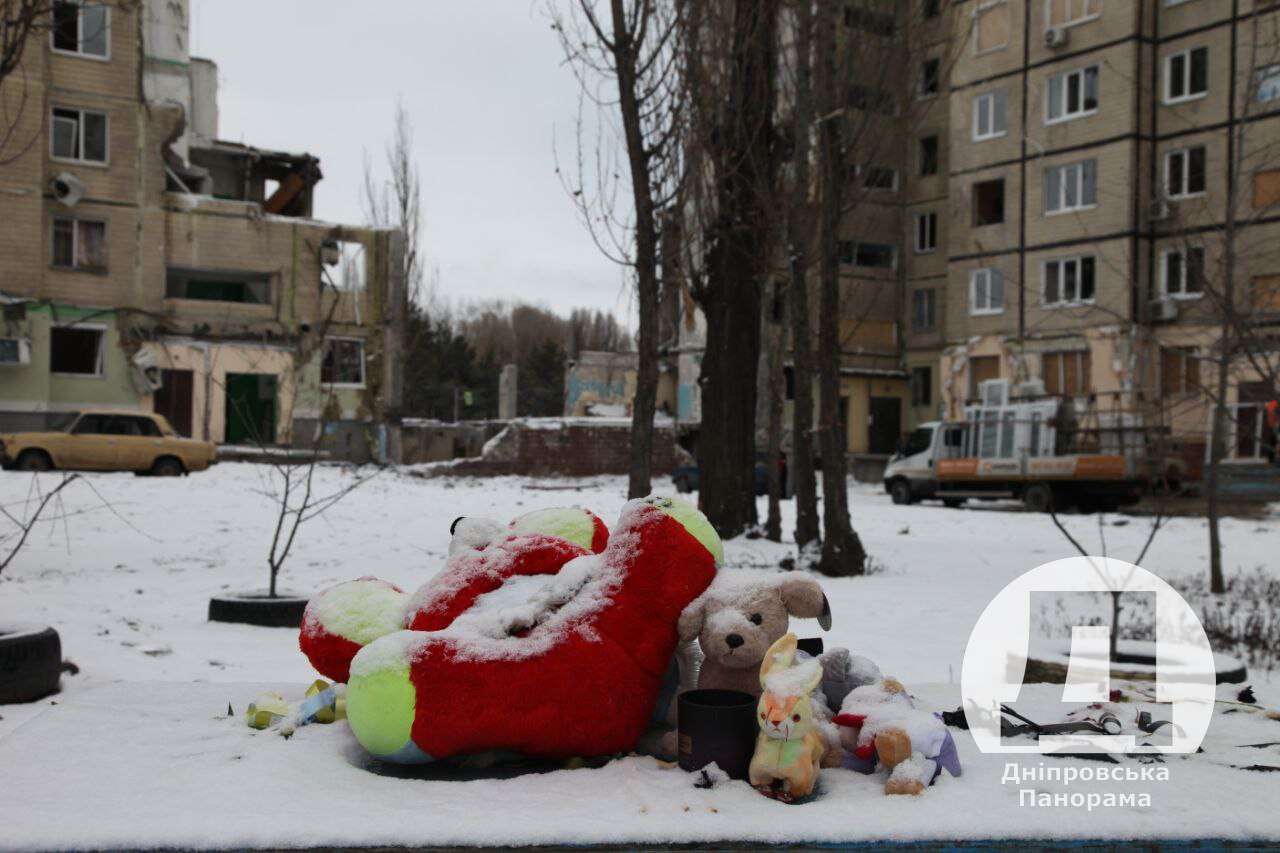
{"points": [[687, 477], [142, 442]]}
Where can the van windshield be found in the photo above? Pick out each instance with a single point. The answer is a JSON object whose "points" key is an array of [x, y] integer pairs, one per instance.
{"points": [[918, 441]]}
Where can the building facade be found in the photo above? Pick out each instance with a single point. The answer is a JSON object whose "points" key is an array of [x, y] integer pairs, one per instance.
{"points": [[1074, 238], [144, 263]]}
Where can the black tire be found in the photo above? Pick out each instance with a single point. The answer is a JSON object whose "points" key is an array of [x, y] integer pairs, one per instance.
{"points": [[900, 491], [1038, 497], [953, 503], [33, 460], [256, 608], [168, 466], [30, 665]]}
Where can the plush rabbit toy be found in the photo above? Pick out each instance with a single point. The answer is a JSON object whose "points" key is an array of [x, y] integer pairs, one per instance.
{"points": [[790, 747]]}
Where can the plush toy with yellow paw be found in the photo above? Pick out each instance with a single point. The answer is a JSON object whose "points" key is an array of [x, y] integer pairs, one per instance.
{"points": [[880, 727], [790, 746]]}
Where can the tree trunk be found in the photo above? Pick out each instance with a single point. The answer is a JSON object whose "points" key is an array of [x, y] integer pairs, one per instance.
{"points": [[646, 257], [775, 385], [799, 239], [736, 265], [842, 551]]}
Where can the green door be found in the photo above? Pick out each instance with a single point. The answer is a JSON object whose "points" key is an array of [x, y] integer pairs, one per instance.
{"points": [[251, 408]]}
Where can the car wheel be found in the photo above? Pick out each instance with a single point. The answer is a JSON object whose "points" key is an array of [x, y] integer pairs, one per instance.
{"points": [[34, 460], [30, 663], [900, 491], [1038, 497], [167, 466]]}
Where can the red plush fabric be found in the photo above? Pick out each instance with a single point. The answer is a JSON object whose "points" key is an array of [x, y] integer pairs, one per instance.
{"points": [[453, 591], [330, 654], [592, 692], [600, 538]]}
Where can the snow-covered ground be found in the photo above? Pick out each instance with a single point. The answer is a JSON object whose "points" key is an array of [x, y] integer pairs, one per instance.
{"points": [[125, 571]]}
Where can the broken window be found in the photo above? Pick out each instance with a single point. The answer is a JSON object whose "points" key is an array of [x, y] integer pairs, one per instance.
{"points": [[80, 27], [75, 350], [929, 155], [79, 135], [988, 202], [993, 25], [345, 263], [1179, 371], [982, 368], [208, 286], [923, 309], [1266, 189], [343, 362], [875, 255], [922, 387], [930, 77], [79, 244], [881, 178]]}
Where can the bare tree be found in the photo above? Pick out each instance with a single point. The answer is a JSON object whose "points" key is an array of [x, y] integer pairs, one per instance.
{"points": [[730, 73], [396, 200], [24, 523], [774, 383], [626, 61]]}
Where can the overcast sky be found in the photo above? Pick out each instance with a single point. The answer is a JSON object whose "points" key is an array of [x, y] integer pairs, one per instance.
{"points": [[484, 84]]}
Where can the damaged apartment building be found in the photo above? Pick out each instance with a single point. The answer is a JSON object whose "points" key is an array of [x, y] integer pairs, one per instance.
{"points": [[146, 263]]}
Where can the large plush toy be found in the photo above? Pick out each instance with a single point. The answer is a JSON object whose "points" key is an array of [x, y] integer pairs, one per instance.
{"points": [[880, 727], [527, 642], [790, 747], [342, 620]]}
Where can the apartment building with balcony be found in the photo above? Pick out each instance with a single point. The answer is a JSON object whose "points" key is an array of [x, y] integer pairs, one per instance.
{"points": [[145, 263], [1077, 240]]}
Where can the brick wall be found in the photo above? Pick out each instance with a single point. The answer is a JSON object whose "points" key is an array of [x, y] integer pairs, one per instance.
{"points": [[570, 448]]}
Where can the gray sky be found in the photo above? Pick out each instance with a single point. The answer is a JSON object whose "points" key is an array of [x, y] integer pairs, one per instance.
{"points": [[484, 84]]}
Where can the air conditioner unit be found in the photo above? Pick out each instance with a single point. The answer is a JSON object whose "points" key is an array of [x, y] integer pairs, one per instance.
{"points": [[14, 352], [147, 376], [1056, 37], [1164, 310], [1160, 210], [994, 392]]}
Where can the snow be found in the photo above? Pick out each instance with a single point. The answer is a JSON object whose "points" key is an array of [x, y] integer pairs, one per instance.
{"points": [[138, 751]]}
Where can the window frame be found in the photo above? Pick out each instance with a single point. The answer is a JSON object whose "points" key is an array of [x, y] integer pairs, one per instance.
{"points": [[989, 274], [1083, 359], [1186, 172], [101, 329], [974, 201], [74, 266], [872, 188], [1167, 84], [990, 96], [917, 386], [80, 159], [930, 219], [80, 54], [978, 9], [1189, 364], [1062, 261], [1182, 253], [1268, 75], [1074, 22], [1079, 167], [929, 298], [1067, 115], [364, 368]]}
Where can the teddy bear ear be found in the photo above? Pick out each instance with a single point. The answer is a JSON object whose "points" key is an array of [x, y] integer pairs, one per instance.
{"points": [[689, 625], [804, 598]]}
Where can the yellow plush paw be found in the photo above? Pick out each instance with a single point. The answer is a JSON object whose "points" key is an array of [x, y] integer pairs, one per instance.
{"points": [[893, 746]]}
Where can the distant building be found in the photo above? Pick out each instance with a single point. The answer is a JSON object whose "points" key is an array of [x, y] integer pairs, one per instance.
{"points": [[145, 263]]}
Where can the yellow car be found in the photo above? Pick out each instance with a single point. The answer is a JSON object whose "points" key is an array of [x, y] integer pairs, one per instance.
{"points": [[142, 442]]}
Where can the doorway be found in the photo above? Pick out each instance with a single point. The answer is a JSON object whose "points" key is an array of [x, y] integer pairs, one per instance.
{"points": [[251, 408], [886, 425], [175, 400]]}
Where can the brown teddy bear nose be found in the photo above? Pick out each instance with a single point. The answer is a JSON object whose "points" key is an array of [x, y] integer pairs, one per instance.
{"points": [[734, 640]]}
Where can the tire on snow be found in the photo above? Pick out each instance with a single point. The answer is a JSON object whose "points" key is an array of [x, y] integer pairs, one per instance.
{"points": [[30, 663], [257, 608]]}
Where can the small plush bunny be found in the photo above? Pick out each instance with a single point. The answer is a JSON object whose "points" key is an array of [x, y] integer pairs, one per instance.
{"points": [[790, 747]]}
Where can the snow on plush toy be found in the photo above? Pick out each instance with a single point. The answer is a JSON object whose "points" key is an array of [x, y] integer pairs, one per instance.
{"points": [[790, 748], [343, 619], [881, 726], [545, 664]]}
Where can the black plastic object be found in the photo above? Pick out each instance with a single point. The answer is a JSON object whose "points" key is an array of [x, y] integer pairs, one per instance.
{"points": [[717, 726], [812, 646], [30, 665], [250, 608]]}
